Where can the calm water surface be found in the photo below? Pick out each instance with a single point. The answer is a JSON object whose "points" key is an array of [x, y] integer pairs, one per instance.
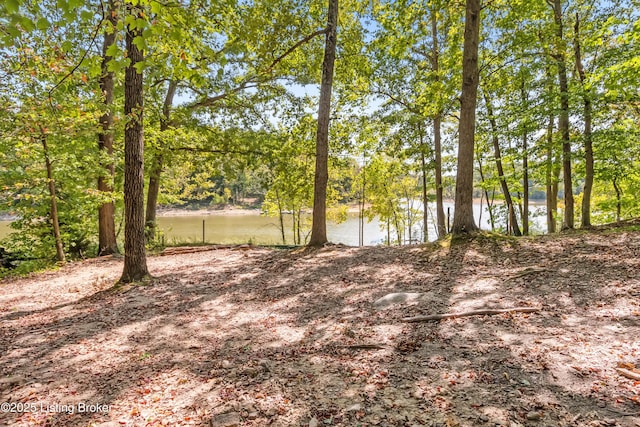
{"points": [[233, 228]]}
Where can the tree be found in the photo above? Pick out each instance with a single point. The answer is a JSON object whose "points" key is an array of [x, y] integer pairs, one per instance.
{"points": [[321, 178], [135, 259], [588, 137], [511, 212], [560, 58], [107, 243], [463, 221], [157, 163]]}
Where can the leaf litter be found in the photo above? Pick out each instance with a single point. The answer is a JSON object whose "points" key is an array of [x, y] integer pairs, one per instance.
{"points": [[263, 337]]}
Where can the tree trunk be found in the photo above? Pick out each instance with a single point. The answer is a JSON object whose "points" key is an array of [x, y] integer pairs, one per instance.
{"points": [[319, 226], [280, 217], [437, 135], [157, 165], [425, 200], [525, 170], [618, 199], [486, 195], [363, 199], [463, 221], [513, 219], [135, 259], [568, 221], [55, 222], [588, 139], [107, 243]]}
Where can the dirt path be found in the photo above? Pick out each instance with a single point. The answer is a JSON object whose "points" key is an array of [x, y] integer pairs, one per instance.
{"points": [[264, 337]]}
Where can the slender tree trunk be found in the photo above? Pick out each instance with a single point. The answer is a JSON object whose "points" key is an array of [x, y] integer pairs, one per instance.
{"points": [[551, 213], [319, 226], [463, 221], [486, 194], [568, 222], [525, 171], [298, 227], [388, 232], [513, 219], [157, 164], [55, 222], [618, 199], [135, 259], [280, 217], [425, 199], [363, 198], [588, 139], [437, 135], [107, 243]]}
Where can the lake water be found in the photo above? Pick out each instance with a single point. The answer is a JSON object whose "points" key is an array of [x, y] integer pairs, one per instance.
{"points": [[233, 228]]}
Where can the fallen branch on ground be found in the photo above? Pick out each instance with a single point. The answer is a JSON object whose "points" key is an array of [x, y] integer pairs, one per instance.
{"points": [[529, 270], [628, 374], [487, 312]]}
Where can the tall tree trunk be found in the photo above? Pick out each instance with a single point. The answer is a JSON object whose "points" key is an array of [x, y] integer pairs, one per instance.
{"points": [[588, 139], [107, 243], [513, 219], [363, 199], [135, 259], [437, 135], [563, 124], [525, 171], [319, 226], [551, 212], [53, 215], [463, 221], [425, 199], [157, 165]]}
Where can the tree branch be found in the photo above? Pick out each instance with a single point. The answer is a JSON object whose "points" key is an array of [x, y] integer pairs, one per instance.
{"points": [[84, 55], [207, 102], [294, 47], [488, 312]]}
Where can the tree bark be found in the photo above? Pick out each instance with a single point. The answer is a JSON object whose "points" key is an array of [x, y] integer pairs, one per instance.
{"points": [[588, 139], [319, 226], [618, 199], [463, 221], [486, 194], [568, 221], [513, 219], [156, 166], [425, 199], [55, 222], [135, 259], [437, 135], [525, 170], [107, 243]]}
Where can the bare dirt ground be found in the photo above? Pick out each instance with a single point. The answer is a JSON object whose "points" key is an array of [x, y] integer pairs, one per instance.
{"points": [[263, 337]]}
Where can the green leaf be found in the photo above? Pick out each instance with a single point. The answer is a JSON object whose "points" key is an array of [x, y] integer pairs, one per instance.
{"points": [[86, 15], [112, 50], [27, 24], [12, 6], [139, 66], [43, 24], [139, 42], [67, 46], [63, 5]]}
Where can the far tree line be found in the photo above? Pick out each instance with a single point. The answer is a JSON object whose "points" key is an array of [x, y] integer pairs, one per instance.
{"points": [[112, 108]]}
